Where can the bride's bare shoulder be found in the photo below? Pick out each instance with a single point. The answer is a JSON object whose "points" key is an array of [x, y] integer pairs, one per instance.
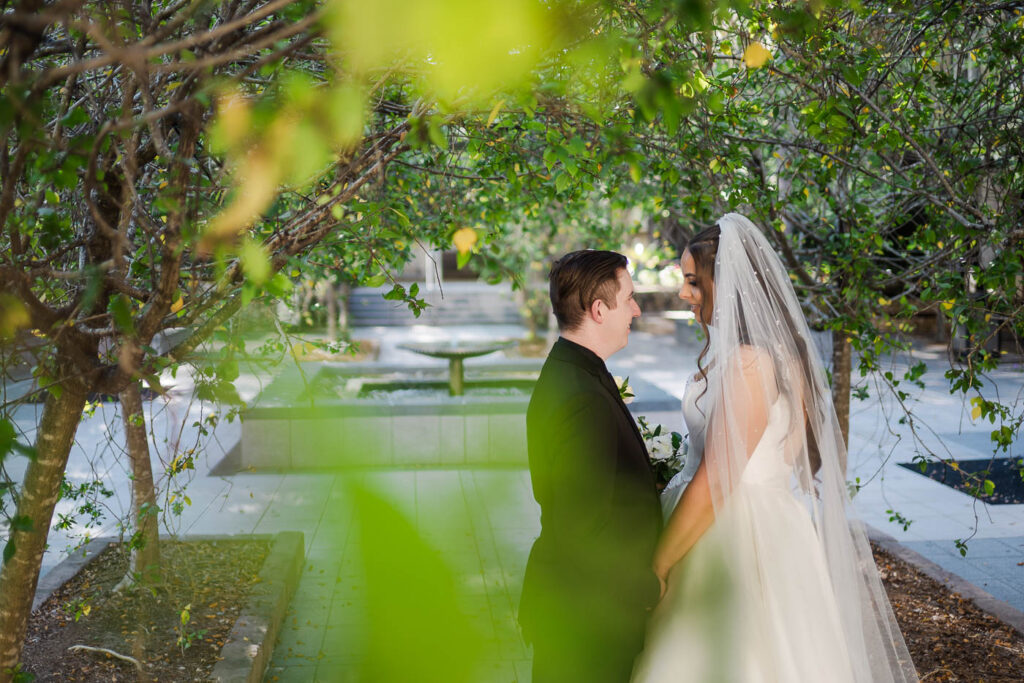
{"points": [[753, 358], [755, 369]]}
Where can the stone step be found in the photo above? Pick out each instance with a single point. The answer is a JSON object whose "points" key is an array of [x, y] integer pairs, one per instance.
{"points": [[461, 304]]}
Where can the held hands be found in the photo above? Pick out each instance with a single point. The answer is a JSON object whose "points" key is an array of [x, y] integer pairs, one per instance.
{"points": [[662, 574]]}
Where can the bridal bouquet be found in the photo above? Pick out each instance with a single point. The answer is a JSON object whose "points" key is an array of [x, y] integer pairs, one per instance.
{"points": [[667, 450]]}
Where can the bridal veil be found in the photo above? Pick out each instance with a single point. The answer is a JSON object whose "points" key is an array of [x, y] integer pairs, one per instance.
{"points": [[762, 356]]}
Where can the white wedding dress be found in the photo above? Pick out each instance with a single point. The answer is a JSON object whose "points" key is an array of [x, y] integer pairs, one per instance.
{"points": [[694, 419], [769, 612]]}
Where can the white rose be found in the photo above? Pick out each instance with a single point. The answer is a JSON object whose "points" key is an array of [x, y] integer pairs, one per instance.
{"points": [[660, 447]]}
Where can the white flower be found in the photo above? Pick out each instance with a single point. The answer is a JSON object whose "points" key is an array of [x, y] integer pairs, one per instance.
{"points": [[660, 447], [625, 391]]}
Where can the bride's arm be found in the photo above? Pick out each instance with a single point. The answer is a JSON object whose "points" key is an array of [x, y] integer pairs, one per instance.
{"points": [[692, 516], [695, 512]]}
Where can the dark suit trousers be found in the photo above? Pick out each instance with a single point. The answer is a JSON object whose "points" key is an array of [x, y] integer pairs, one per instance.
{"points": [[580, 654]]}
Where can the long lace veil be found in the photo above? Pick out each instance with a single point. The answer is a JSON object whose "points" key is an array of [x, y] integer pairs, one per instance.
{"points": [[764, 366]]}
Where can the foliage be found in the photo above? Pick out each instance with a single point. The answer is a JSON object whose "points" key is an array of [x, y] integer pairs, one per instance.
{"points": [[164, 164]]}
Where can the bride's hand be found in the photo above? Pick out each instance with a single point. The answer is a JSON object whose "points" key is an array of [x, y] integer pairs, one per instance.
{"points": [[662, 584]]}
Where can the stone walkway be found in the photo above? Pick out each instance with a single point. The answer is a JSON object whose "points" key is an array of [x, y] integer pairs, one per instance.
{"points": [[483, 521]]}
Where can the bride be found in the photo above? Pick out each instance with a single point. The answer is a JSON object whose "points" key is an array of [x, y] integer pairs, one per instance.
{"points": [[764, 577]]}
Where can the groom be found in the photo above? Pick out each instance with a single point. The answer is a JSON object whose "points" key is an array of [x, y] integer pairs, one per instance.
{"points": [[589, 583]]}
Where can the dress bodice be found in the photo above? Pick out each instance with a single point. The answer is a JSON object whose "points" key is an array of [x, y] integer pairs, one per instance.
{"points": [[695, 417], [696, 420], [768, 464], [771, 462]]}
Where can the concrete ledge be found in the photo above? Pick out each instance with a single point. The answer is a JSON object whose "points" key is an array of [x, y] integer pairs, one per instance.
{"points": [[1004, 612], [246, 654], [68, 567]]}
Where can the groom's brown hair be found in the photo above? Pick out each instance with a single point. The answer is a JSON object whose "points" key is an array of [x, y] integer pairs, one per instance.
{"points": [[580, 278]]}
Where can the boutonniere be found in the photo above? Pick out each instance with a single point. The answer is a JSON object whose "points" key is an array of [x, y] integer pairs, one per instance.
{"points": [[625, 391]]}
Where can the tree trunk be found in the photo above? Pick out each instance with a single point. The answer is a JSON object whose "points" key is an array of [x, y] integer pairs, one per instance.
{"points": [[39, 495], [332, 313], [842, 366], [145, 541], [344, 295]]}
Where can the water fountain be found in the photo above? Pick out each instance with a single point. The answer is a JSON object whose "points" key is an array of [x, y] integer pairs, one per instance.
{"points": [[455, 353], [325, 415]]}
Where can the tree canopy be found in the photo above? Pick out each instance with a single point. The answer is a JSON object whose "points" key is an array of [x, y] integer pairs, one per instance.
{"points": [[164, 163]]}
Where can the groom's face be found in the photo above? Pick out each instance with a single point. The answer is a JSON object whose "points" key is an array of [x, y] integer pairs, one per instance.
{"points": [[615, 325]]}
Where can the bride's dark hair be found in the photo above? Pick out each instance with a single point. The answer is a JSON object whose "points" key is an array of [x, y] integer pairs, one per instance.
{"points": [[703, 247]]}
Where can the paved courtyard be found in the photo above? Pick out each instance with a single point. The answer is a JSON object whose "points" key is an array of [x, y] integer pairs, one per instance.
{"points": [[483, 521]]}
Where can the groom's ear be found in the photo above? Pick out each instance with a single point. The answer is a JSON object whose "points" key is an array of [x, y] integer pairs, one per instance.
{"points": [[596, 311]]}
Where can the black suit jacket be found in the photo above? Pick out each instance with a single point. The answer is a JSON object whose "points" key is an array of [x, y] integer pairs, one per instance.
{"points": [[589, 574]]}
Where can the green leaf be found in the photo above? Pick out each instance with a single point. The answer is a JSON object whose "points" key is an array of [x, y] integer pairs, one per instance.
{"points": [[228, 370], [9, 551], [120, 309], [254, 262], [346, 104], [93, 282], [436, 134], [402, 218], [218, 392], [249, 292], [279, 285], [8, 437], [75, 117]]}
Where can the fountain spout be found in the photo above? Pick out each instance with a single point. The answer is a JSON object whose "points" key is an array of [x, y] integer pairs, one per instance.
{"points": [[455, 353]]}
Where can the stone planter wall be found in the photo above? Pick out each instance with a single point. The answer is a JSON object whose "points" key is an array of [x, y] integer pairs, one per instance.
{"points": [[442, 431]]}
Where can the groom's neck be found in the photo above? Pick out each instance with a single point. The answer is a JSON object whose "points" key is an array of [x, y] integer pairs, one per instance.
{"points": [[588, 339]]}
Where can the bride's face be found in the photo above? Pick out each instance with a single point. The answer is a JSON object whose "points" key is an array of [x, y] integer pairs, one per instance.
{"points": [[690, 291]]}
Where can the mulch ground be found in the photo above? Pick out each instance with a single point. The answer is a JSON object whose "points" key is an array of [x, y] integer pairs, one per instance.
{"points": [[948, 637], [211, 578]]}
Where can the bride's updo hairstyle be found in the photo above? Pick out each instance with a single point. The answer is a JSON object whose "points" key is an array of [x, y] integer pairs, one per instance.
{"points": [[703, 247]]}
